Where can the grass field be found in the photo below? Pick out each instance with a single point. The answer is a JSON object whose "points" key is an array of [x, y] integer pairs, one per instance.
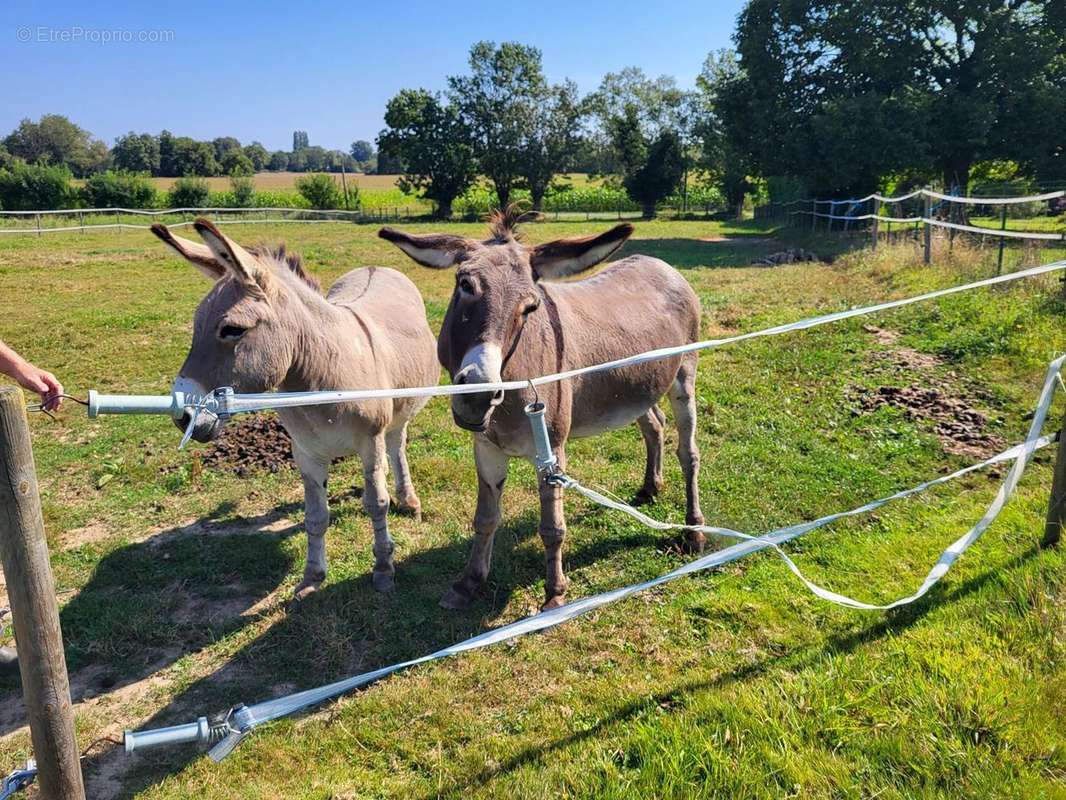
{"points": [[174, 581], [278, 181]]}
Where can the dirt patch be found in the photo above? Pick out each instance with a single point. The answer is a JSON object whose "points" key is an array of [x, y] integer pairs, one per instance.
{"points": [[900, 356], [794, 255], [960, 427], [252, 443]]}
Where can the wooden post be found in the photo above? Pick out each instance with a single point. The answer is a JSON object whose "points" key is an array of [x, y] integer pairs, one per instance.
{"points": [[1056, 512], [38, 216], [1002, 239], [927, 209], [35, 612], [344, 183]]}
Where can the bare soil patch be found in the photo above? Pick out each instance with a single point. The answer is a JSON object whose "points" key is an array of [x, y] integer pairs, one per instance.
{"points": [[960, 427], [251, 443]]}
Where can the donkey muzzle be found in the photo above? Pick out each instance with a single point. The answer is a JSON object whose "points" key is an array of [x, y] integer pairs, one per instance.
{"points": [[208, 425]]}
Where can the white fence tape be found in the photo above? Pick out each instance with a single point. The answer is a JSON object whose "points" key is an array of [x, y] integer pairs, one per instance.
{"points": [[1050, 237], [1021, 454], [952, 198]]}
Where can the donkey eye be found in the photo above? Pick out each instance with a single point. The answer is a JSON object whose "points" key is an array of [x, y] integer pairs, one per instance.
{"points": [[231, 333], [466, 285]]}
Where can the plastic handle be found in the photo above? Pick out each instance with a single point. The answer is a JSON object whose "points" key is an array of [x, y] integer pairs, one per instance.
{"points": [[170, 404], [198, 731]]}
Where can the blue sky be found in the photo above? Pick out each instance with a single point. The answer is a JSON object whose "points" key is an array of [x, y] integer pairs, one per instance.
{"points": [[260, 70]]}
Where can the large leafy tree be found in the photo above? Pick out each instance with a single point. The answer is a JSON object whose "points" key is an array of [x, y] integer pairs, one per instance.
{"points": [[846, 93], [652, 168], [54, 139], [550, 140], [720, 159], [433, 143], [659, 104], [136, 152], [498, 101]]}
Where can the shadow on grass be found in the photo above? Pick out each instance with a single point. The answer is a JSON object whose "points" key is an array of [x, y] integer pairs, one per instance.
{"points": [[199, 584], [892, 622]]}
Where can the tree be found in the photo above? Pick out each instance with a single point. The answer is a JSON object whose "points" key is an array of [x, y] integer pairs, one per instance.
{"points": [[362, 151], [299, 141], [136, 152], [724, 163], [847, 93], [651, 168], [54, 139], [235, 162], [388, 164], [190, 157], [497, 101], [223, 145], [279, 161], [298, 161], [433, 143], [550, 140], [258, 155]]}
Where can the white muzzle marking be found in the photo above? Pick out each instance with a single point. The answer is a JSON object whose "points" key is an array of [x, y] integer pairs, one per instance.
{"points": [[481, 364]]}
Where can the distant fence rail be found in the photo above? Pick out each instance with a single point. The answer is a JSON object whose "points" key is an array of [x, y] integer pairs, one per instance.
{"points": [[118, 218]]}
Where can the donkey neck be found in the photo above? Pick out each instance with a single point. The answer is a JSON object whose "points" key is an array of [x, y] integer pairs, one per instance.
{"points": [[322, 341]]}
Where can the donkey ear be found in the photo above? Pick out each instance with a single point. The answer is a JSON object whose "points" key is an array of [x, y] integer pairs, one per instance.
{"points": [[199, 255], [565, 257], [434, 250], [242, 264]]}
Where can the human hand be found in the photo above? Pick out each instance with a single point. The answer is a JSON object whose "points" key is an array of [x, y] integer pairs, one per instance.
{"points": [[41, 381]]}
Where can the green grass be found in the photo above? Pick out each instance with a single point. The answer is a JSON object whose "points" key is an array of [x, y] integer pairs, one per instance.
{"points": [[732, 684]]}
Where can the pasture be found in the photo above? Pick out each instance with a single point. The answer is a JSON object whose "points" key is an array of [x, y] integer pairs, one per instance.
{"points": [[174, 577]]}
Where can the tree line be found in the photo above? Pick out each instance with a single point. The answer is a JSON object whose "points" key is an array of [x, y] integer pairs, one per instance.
{"points": [[56, 140]]}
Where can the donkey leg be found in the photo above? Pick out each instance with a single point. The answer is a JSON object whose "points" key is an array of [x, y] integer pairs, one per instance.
{"points": [[552, 534], [683, 400], [407, 500], [315, 476], [651, 427], [376, 503], [491, 475]]}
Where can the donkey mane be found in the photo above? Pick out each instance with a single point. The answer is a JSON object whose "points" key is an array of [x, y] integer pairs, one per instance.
{"points": [[292, 261], [504, 222]]}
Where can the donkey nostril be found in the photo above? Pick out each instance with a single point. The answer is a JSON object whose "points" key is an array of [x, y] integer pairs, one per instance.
{"points": [[460, 379]]}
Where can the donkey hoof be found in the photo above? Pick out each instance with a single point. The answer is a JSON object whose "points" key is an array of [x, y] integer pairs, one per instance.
{"points": [[694, 543], [304, 590], [413, 510], [384, 582], [454, 599], [554, 602], [643, 498]]}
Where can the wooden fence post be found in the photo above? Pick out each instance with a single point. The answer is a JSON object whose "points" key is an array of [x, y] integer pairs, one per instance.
{"points": [[28, 574], [927, 210], [1056, 511]]}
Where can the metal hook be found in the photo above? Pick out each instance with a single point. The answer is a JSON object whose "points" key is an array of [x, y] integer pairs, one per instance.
{"points": [[536, 394]]}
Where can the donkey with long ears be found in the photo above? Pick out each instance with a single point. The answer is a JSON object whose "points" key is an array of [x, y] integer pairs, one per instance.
{"points": [[266, 325], [508, 321]]}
